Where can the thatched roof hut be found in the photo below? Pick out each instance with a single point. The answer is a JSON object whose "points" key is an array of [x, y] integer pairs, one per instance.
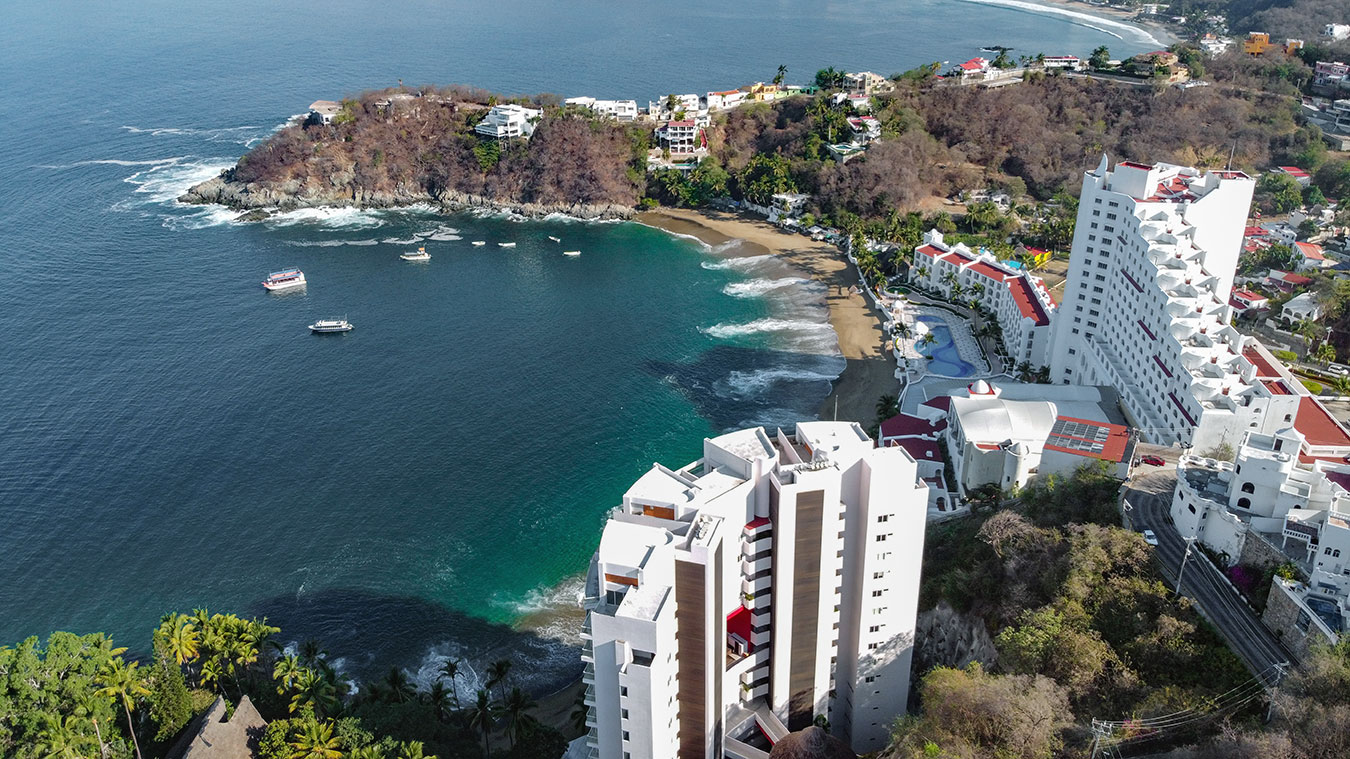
{"points": [[811, 743]]}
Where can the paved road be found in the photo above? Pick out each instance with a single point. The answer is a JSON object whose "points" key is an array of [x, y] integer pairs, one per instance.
{"points": [[1150, 497]]}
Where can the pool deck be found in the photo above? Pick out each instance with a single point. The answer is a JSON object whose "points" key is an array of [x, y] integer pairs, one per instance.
{"points": [[907, 354]]}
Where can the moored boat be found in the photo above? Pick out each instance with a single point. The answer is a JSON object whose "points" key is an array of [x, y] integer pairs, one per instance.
{"points": [[479, 243], [555, 239], [506, 245], [284, 279], [420, 254], [330, 325], [571, 252]]}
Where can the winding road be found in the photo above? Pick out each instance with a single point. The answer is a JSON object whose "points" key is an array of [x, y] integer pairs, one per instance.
{"points": [[1150, 498]]}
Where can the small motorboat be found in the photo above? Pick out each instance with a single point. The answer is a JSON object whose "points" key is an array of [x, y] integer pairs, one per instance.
{"points": [[420, 254], [479, 243], [555, 239], [324, 326], [571, 253], [284, 280], [506, 245]]}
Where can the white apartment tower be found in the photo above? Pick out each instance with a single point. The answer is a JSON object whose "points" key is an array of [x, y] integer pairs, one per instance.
{"points": [[1145, 307], [771, 582]]}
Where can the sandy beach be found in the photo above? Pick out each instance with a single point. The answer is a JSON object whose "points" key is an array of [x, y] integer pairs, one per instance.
{"points": [[869, 372], [1165, 35]]}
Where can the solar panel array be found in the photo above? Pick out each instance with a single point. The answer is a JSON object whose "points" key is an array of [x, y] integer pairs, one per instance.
{"points": [[1076, 436]]}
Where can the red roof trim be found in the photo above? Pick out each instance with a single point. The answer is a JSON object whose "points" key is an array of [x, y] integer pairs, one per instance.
{"points": [[1024, 295]]}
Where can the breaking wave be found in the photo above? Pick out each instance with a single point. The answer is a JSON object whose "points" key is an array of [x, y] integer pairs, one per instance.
{"points": [[742, 262], [760, 326], [757, 287]]}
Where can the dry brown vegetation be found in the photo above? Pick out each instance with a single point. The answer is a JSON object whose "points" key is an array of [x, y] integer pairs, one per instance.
{"points": [[427, 145]]}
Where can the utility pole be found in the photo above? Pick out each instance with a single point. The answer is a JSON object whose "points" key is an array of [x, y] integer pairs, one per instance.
{"points": [[1181, 572], [1279, 675]]}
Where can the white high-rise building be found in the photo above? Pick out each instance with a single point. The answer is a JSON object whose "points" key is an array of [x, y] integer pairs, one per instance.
{"points": [[769, 583], [1145, 307]]}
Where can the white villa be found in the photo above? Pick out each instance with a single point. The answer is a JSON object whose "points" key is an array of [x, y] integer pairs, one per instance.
{"points": [[619, 110], [1300, 307], [504, 122], [681, 137], [1018, 300], [769, 583], [323, 111]]}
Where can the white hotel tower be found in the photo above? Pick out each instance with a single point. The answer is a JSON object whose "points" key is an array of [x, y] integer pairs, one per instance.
{"points": [[772, 582], [1145, 307]]}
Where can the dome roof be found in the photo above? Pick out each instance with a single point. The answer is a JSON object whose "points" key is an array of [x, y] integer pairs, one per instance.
{"points": [[980, 387]]}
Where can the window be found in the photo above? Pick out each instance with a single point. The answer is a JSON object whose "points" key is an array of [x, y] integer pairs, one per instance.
{"points": [[873, 646], [1191, 507], [884, 518], [1247, 487], [876, 594], [1075, 330], [623, 690], [878, 575], [870, 679], [881, 538], [1111, 216], [1096, 289], [1244, 503], [874, 628], [625, 736], [1096, 213], [623, 714], [1073, 351]]}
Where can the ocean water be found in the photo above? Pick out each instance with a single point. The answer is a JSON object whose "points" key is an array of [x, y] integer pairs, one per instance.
{"points": [[430, 484]]}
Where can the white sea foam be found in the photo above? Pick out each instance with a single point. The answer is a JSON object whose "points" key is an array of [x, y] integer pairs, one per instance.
{"points": [[428, 671], [745, 384], [206, 216], [757, 287], [333, 218], [113, 162], [741, 262], [445, 237], [760, 326], [1117, 29], [328, 243], [164, 182], [395, 241]]}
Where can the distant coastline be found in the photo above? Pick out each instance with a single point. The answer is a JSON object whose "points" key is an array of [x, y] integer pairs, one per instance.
{"points": [[1111, 18]]}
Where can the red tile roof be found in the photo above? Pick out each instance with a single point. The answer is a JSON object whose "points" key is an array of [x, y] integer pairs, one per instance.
{"points": [[1291, 278], [919, 449], [1133, 165], [1317, 424], [990, 271], [1248, 295], [904, 425], [1264, 368], [757, 522], [1310, 251], [974, 64], [1024, 294], [929, 250], [942, 402], [1277, 387], [1294, 171], [1254, 232]]}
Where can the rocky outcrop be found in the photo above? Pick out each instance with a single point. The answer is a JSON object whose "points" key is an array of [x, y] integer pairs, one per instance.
{"points": [[288, 196], [945, 638]]}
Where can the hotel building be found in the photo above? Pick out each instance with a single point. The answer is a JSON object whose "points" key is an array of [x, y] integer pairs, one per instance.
{"points": [[1018, 300], [1145, 306], [768, 584]]}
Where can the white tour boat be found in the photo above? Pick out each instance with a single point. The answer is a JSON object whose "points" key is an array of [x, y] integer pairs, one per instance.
{"points": [[506, 245], [284, 279], [555, 239], [331, 325], [420, 254], [571, 252]]}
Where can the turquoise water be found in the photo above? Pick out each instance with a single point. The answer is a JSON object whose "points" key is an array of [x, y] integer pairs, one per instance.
{"points": [[943, 357], [174, 437]]}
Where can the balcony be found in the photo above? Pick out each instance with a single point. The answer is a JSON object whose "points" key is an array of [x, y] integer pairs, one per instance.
{"points": [[753, 586], [753, 567], [758, 544], [589, 698]]}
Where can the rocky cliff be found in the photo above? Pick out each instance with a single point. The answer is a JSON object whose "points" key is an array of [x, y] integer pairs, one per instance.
{"points": [[262, 198], [945, 638]]}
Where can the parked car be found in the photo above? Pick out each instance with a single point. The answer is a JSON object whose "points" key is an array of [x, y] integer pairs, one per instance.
{"points": [[1154, 460], [1150, 538]]}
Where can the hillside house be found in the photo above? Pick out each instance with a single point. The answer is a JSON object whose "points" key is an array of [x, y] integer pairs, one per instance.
{"points": [[323, 111], [511, 121], [1301, 307]]}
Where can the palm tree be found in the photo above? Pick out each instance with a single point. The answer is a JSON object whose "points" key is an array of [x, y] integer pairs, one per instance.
{"points": [[413, 750], [63, 739], [497, 672], [118, 680], [438, 698], [287, 671], [311, 652], [517, 703], [211, 671], [481, 716], [782, 72], [1325, 353], [400, 689], [312, 687], [178, 636], [373, 751], [316, 742], [887, 406], [450, 671]]}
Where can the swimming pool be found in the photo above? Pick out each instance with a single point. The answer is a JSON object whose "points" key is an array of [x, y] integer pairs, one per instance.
{"points": [[943, 357]]}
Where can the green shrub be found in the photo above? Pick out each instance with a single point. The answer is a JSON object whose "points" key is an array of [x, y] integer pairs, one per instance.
{"points": [[1313, 387], [1285, 356]]}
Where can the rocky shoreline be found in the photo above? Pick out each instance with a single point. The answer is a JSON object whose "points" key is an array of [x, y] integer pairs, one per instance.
{"points": [[258, 201]]}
